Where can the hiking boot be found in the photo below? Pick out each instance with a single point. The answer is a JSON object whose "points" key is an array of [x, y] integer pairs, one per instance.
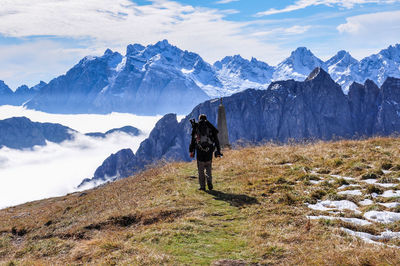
{"points": [[202, 189], [210, 186]]}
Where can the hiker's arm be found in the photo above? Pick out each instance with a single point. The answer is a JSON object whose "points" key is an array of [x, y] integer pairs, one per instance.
{"points": [[216, 140], [192, 145]]}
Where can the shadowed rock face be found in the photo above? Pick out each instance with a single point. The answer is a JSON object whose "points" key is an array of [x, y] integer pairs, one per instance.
{"points": [[388, 117], [20, 132], [364, 103], [313, 109], [5, 93]]}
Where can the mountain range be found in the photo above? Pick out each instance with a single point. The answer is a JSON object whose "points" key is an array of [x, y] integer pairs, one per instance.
{"points": [[161, 78], [22, 133], [314, 109]]}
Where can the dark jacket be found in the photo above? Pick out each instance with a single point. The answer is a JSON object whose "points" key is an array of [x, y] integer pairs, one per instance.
{"points": [[201, 154]]}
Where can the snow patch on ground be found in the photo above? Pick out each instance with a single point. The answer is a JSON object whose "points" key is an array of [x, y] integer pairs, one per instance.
{"points": [[366, 202], [372, 239], [344, 177], [383, 217], [390, 204], [356, 192], [391, 194], [328, 205], [355, 221], [346, 186]]}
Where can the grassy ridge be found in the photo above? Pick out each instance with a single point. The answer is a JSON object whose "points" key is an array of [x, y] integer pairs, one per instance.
{"points": [[257, 213]]}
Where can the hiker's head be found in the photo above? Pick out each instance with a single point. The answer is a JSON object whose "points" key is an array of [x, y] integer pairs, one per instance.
{"points": [[202, 117]]}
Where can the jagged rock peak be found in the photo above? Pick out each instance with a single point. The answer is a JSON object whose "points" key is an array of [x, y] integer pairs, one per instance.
{"points": [[391, 82], [343, 58], [369, 82], [108, 51], [134, 49], [301, 52], [163, 44], [4, 89], [38, 86], [392, 52], [318, 74], [22, 88]]}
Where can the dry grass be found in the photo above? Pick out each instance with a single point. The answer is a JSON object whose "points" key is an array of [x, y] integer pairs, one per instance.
{"points": [[256, 214]]}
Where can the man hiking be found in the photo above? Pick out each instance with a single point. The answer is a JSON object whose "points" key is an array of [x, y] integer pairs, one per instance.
{"points": [[204, 141]]}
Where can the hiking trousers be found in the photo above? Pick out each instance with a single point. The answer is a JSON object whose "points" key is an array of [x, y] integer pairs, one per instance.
{"points": [[201, 167]]}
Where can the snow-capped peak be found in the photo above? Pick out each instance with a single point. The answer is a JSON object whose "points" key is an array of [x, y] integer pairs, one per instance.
{"points": [[342, 58], [298, 65]]}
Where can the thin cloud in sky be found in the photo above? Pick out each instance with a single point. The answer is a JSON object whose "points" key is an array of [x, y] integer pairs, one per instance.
{"points": [[67, 30], [123, 22], [294, 30], [226, 1], [301, 4], [364, 24], [371, 30]]}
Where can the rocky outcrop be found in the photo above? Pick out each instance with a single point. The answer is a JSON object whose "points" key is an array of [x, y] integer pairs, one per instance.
{"points": [[20, 96], [5, 93], [388, 117], [163, 143], [288, 110], [364, 105], [126, 129], [20, 133], [118, 165]]}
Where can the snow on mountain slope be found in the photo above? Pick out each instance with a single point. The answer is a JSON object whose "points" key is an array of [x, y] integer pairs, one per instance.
{"points": [[378, 67], [237, 74], [162, 78], [341, 68], [298, 66]]}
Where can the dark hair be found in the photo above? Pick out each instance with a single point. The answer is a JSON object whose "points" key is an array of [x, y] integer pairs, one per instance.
{"points": [[202, 117]]}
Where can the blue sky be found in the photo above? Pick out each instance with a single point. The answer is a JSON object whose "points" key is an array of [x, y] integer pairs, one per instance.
{"points": [[42, 39]]}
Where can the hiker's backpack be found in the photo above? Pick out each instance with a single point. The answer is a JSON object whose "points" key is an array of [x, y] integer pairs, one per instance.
{"points": [[204, 136]]}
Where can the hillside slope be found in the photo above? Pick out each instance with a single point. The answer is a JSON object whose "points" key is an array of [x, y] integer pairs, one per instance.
{"points": [[257, 213]]}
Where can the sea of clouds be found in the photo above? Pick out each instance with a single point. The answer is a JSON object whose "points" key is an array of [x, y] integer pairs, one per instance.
{"points": [[57, 169]]}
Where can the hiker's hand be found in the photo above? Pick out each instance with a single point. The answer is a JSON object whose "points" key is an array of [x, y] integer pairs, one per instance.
{"points": [[218, 154], [192, 155]]}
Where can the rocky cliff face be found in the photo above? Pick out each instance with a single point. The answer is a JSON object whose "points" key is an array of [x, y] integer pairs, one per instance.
{"points": [[5, 93], [388, 117], [118, 165], [364, 105], [314, 109], [20, 133]]}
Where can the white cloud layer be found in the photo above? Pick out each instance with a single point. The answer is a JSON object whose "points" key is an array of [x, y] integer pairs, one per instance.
{"points": [[301, 4], [84, 123], [56, 169]]}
